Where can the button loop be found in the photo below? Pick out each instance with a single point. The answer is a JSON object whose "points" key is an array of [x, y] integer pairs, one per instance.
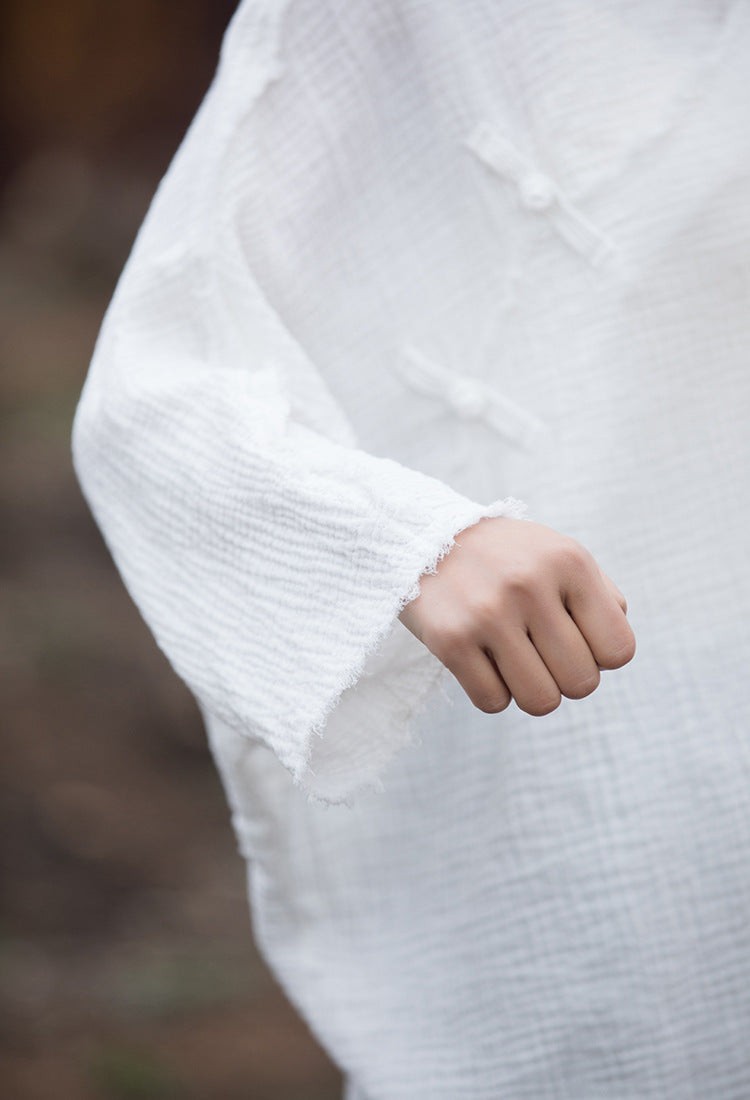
{"points": [[537, 191], [470, 398]]}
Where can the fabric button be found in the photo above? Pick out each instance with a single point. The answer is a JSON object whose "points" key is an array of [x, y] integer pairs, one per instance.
{"points": [[537, 191], [468, 399]]}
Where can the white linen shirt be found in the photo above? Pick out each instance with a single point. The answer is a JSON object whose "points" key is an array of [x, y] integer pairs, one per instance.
{"points": [[414, 264]]}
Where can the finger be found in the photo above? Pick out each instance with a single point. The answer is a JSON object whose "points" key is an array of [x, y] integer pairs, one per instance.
{"points": [[477, 674], [525, 673], [615, 592], [601, 619], [565, 651]]}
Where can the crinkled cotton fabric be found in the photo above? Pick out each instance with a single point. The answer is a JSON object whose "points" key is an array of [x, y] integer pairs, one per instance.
{"points": [[415, 264]]}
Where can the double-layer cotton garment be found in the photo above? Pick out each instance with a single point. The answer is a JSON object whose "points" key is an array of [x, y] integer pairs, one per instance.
{"points": [[415, 264]]}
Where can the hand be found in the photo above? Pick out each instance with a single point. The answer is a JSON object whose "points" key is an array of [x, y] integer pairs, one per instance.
{"points": [[518, 611]]}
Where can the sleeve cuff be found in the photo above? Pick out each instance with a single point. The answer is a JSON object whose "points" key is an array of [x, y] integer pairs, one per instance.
{"points": [[371, 715]]}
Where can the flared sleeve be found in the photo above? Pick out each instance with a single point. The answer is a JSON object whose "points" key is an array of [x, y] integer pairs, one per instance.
{"points": [[269, 558]]}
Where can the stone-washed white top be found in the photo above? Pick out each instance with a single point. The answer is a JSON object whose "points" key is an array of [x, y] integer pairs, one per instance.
{"points": [[413, 264]]}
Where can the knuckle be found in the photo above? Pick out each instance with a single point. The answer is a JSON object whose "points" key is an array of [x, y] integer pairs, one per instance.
{"points": [[619, 653], [483, 612], [491, 704], [572, 558], [579, 689], [520, 580], [450, 642], [542, 704]]}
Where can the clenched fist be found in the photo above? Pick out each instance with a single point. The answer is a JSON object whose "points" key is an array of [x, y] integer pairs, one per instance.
{"points": [[518, 611]]}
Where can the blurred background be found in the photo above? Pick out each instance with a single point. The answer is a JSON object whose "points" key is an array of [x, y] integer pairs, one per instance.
{"points": [[128, 967]]}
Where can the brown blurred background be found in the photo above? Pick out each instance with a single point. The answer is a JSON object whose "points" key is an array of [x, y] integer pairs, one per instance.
{"points": [[128, 968]]}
